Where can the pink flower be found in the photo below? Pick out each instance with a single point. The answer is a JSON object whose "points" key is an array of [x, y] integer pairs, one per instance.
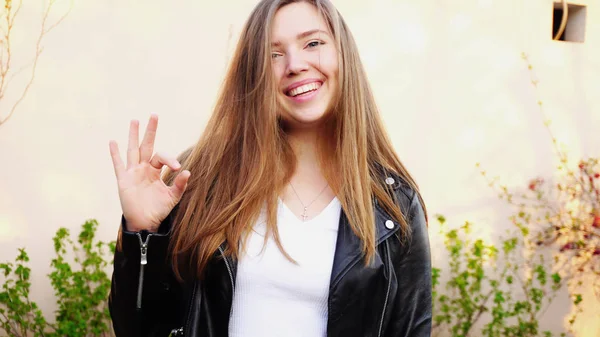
{"points": [[533, 184], [596, 223], [568, 246]]}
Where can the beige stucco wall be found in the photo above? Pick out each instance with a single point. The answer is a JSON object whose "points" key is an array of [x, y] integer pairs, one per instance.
{"points": [[447, 75]]}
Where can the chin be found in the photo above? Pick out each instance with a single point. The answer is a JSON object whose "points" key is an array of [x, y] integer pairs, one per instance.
{"points": [[308, 117]]}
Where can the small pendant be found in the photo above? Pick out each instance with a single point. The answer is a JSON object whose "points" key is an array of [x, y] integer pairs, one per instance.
{"points": [[304, 216]]}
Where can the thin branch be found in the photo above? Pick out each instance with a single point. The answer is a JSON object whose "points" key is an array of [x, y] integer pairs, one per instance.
{"points": [[14, 74], [59, 20], [524, 288], [38, 52], [2, 55], [487, 297], [8, 324], [14, 107], [6, 68], [17, 11]]}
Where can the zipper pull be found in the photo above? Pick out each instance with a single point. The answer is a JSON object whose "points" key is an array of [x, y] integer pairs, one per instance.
{"points": [[176, 332], [144, 257], [144, 248]]}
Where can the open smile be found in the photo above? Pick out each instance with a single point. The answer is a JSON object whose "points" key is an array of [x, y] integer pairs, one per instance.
{"points": [[303, 91]]}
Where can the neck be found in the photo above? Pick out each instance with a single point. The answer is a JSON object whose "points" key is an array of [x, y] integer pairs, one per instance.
{"points": [[308, 180], [304, 144]]}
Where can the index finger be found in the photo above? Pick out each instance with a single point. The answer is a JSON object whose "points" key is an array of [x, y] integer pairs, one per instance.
{"points": [[133, 150]]}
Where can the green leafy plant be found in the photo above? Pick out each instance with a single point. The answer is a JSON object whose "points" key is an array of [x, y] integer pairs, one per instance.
{"points": [[18, 315], [562, 213], [490, 291], [81, 289]]}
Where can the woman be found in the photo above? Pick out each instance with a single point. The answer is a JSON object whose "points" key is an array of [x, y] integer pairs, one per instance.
{"points": [[292, 215]]}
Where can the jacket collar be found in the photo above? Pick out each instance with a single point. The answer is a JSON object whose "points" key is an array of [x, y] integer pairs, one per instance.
{"points": [[348, 250]]}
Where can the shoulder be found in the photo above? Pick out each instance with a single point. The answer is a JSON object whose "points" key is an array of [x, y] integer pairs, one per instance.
{"points": [[411, 205], [413, 210], [404, 193]]}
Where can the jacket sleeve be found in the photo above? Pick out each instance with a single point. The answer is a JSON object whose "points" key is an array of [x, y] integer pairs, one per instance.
{"points": [[411, 316], [144, 293]]}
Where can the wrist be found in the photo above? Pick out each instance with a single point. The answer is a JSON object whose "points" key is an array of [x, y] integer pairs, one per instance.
{"points": [[134, 227]]}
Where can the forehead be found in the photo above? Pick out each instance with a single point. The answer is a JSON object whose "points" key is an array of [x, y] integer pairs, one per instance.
{"points": [[296, 18]]}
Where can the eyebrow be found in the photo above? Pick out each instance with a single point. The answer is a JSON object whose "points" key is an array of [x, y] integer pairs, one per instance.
{"points": [[303, 35]]}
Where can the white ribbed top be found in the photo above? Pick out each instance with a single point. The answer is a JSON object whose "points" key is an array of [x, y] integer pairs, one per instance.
{"points": [[274, 297]]}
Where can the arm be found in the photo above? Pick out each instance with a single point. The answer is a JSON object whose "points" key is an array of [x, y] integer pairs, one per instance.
{"points": [[144, 298], [411, 316]]}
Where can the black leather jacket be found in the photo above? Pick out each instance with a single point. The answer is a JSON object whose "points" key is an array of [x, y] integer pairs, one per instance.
{"points": [[390, 298]]}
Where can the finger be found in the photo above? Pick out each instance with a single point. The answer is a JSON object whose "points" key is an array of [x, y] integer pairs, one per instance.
{"points": [[148, 143], [180, 184], [133, 150], [116, 158], [159, 160]]}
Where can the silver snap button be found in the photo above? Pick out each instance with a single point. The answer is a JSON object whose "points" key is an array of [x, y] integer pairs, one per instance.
{"points": [[389, 180], [389, 224]]}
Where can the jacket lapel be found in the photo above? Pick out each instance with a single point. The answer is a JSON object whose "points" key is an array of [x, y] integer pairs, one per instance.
{"points": [[348, 249]]}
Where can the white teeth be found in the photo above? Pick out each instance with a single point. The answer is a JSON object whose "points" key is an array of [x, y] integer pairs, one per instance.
{"points": [[304, 88]]}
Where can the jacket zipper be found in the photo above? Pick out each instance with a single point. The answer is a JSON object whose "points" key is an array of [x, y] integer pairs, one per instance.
{"points": [[387, 295], [181, 331], [187, 322], [143, 263], [228, 268]]}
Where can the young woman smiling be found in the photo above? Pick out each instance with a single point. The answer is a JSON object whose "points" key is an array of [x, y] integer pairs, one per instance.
{"points": [[291, 216]]}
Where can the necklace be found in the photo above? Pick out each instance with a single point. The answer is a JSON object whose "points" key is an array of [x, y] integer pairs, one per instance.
{"points": [[304, 216]]}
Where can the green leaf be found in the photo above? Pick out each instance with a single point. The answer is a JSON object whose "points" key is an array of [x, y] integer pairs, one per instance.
{"points": [[577, 299], [556, 278], [499, 297]]}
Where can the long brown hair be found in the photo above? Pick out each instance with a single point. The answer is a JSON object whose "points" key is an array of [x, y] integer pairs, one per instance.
{"points": [[243, 160]]}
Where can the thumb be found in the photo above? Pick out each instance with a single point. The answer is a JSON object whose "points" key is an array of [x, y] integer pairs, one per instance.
{"points": [[180, 184]]}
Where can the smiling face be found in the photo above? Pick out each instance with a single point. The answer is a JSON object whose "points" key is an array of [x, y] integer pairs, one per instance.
{"points": [[305, 64]]}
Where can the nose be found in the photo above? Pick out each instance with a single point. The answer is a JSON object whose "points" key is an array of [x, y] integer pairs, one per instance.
{"points": [[296, 64]]}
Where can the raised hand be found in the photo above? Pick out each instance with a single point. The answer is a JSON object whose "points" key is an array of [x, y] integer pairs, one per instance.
{"points": [[145, 199]]}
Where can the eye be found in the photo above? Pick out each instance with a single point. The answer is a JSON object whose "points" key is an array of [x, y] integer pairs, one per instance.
{"points": [[275, 55], [313, 44]]}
